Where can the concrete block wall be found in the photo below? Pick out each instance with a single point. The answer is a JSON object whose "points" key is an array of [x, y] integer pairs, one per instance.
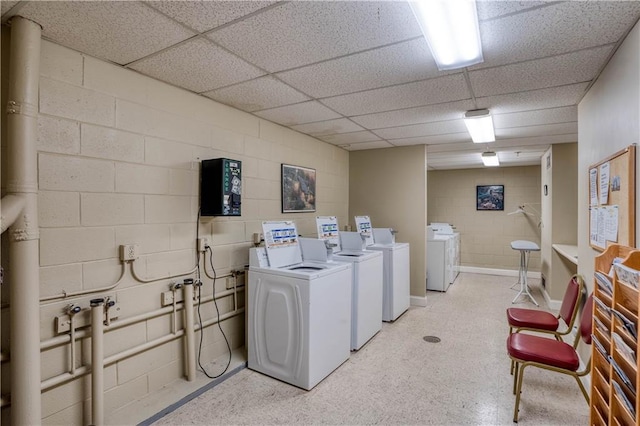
{"points": [[486, 235], [118, 163]]}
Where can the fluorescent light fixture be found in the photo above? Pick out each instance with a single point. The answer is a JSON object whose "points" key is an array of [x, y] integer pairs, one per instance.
{"points": [[452, 31], [490, 159], [480, 126]]}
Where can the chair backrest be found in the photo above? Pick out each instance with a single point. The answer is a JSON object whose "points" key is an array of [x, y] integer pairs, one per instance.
{"points": [[586, 320], [569, 308]]}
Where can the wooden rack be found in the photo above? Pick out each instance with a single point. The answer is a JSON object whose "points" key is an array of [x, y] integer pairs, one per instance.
{"points": [[607, 407]]}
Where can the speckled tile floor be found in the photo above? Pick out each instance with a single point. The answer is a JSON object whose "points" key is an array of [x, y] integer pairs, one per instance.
{"points": [[398, 378]]}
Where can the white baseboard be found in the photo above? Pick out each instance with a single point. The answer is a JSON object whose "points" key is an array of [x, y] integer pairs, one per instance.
{"points": [[553, 304], [419, 301], [502, 272]]}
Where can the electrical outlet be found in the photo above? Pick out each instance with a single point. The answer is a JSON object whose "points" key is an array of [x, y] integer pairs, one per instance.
{"points": [[129, 252], [203, 243]]}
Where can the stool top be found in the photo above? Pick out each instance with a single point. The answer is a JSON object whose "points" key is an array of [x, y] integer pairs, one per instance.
{"points": [[524, 245]]}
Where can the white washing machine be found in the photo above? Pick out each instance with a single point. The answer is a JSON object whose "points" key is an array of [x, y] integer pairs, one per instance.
{"points": [[396, 296], [367, 284], [299, 313]]}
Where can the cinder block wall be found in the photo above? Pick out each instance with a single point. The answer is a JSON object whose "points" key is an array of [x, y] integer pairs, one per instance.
{"points": [[118, 163], [485, 236]]}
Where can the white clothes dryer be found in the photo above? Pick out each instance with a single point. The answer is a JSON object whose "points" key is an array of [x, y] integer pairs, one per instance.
{"points": [[299, 313]]}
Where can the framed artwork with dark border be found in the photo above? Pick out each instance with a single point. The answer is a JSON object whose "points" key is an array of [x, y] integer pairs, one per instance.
{"points": [[490, 197], [298, 189]]}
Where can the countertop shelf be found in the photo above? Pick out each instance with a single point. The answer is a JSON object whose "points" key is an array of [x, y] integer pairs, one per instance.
{"points": [[568, 251]]}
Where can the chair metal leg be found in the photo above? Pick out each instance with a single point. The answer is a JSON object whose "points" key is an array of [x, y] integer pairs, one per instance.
{"points": [[584, 391], [515, 375], [518, 391]]}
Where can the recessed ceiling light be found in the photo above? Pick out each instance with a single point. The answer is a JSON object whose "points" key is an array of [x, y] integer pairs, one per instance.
{"points": [[480, 125], [452, 31]]}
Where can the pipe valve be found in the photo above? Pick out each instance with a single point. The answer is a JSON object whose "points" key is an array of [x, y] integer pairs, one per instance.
{"points": [[72, 309]]}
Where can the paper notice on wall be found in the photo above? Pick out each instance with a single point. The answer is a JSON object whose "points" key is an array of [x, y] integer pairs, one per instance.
{"points": [[601, 211], [611, 223], [597, 227], [604, 183], [593, 187]]}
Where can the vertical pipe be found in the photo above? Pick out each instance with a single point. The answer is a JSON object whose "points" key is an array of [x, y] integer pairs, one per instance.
{"points": [[22, 181], [189, 334], [97, 362]]}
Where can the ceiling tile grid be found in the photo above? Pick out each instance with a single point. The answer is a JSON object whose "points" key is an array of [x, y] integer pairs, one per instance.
{"points": [[569, 68], [432, 91], [120, 32], [386, 66], [328, 127], [197, 65], [258, 94], [358, 74], [559, 28], [305, 112], [206, 15], [300, 33]]}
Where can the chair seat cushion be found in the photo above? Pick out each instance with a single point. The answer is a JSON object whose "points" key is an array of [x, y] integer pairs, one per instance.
{"points": [[526, 347], [531, 318]]}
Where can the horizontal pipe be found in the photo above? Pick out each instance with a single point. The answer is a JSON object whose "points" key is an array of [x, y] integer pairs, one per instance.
{"points": [[64, 338], [11, 206], [82, 370]]}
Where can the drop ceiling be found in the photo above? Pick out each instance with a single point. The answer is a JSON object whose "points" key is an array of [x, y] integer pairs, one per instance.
{"points": [[359, 74]]}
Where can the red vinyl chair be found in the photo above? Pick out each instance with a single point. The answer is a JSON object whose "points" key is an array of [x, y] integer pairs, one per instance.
{"points": [[522, 319], [550, 354]]}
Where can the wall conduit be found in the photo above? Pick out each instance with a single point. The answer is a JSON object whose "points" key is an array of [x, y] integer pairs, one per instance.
{"points": [[22, 198]]}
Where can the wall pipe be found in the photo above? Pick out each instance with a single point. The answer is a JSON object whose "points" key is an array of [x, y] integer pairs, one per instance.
{"points": [[97, 362], [22, 182], [120, 323], [82, 370], [189, 334]]}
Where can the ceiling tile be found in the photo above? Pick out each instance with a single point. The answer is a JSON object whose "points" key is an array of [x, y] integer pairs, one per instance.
{"points": [[309, 32], [6, 6], [558, 70], [261, 93], [559, 28], [290, 115], [120, 32], [423, 114], [205, 15], [329, 127], [197, 65], [349, 138], [433, 140], [536, 117], [493, 9], [542, 130], [366, 145], [426, 129], [427, 92], [534, 99], [395, 64]]}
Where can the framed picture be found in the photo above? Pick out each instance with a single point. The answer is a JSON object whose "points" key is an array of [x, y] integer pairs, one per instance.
{"points": [[298, 189], [490, 197]]}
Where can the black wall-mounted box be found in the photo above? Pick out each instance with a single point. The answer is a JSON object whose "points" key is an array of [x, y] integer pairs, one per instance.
{"points": [[220, 187]]}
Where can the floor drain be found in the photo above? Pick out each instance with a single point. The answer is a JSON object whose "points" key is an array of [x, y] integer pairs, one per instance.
{"points": [[431, 339]]}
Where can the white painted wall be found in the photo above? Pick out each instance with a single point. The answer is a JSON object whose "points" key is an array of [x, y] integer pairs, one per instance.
{"points": [[608, 121]]}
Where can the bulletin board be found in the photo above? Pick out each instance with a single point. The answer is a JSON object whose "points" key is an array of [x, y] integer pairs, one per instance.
{"points": [[612, 203]]}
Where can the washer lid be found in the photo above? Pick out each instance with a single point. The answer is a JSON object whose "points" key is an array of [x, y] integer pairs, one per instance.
{"points": [[281, 243], [328, 230]]}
